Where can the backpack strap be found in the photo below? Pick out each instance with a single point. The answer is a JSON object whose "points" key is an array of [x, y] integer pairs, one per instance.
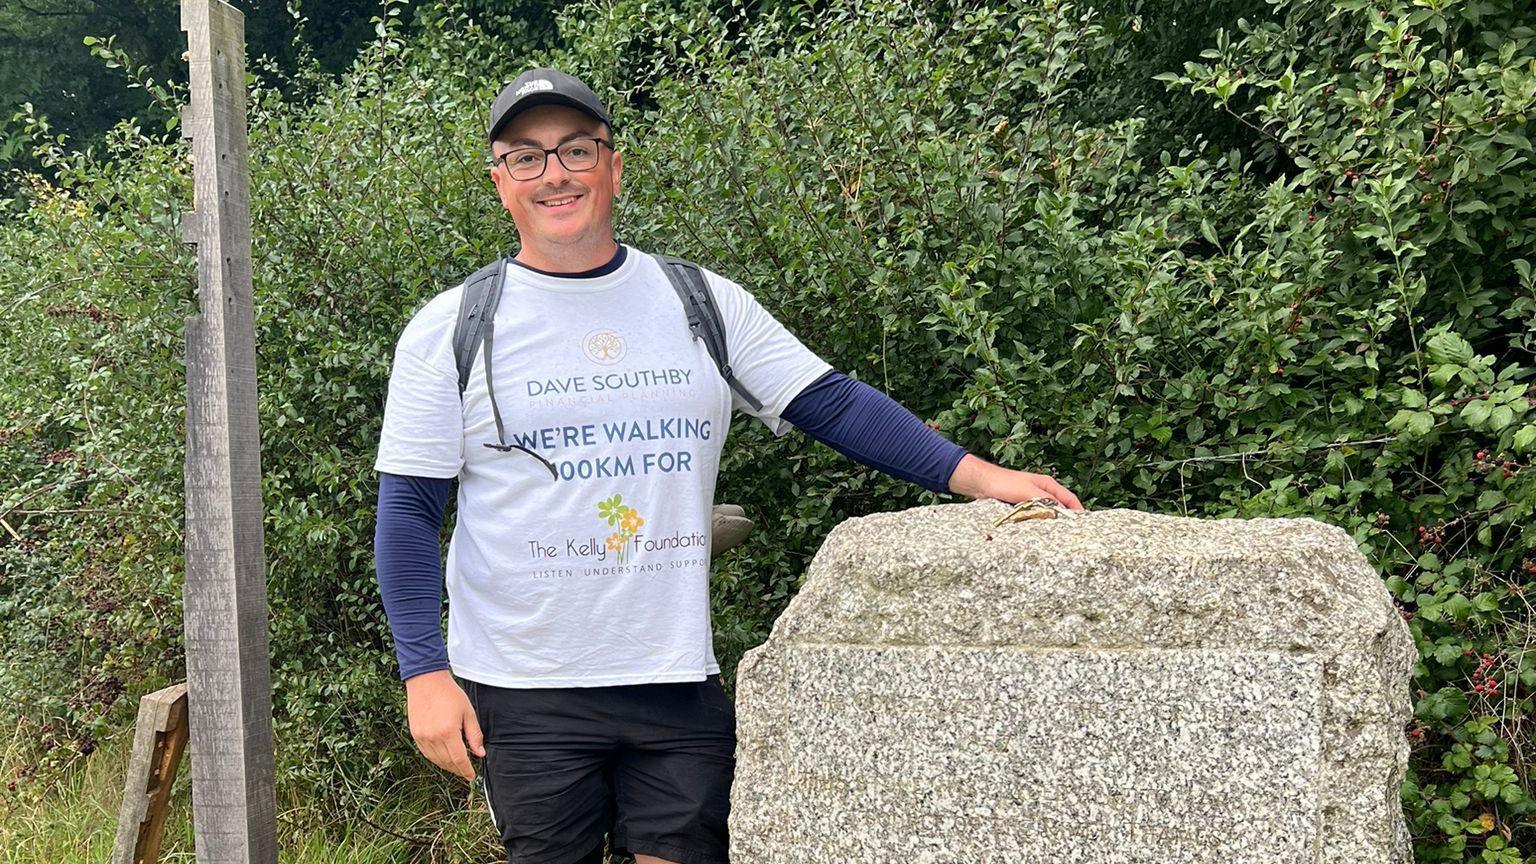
{"points": [[704, 318], [477, 307], [476, 328]]}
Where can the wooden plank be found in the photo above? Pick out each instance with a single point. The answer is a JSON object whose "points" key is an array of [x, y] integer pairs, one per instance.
{"points": [[159, 737], [224, 598]]}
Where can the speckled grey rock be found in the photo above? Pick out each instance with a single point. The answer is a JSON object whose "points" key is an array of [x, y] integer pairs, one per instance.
{"points": [[1120, 687]]}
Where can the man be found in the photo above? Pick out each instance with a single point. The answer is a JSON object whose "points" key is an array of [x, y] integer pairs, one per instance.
{"points": [[578, 570]]}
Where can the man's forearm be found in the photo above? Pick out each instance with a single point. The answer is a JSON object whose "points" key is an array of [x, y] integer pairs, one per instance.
{"points": [[409, 563], [972, 476], [873, 429], [978, 478]]}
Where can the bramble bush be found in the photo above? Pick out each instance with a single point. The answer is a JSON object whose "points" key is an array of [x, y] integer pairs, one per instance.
{"points": [[1191, 263]]}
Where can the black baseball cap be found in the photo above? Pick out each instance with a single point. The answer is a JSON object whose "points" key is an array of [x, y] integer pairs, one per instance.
{"points": [[543, 87]]}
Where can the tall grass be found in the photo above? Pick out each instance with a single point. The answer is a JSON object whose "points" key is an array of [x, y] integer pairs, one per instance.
{"points": [[75, 821]]}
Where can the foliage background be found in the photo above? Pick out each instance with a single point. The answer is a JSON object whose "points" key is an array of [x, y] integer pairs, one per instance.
{"points": [[1216, 259]]}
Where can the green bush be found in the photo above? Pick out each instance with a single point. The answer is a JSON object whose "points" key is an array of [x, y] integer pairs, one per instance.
{"points": [[1299, 283]]}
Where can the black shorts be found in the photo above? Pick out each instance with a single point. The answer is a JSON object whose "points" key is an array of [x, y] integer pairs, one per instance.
{"points": [[648, 764]]}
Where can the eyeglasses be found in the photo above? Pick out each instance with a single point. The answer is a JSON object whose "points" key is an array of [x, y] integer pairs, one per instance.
{"points": [[528, 163]]}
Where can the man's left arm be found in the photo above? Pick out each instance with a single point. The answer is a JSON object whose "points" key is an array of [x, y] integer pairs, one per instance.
{"points": [[798, 388], [873, 429]]}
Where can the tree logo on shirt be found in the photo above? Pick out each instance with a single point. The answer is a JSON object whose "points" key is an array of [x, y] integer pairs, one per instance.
{"points": [[604, 347], [625, 518]]}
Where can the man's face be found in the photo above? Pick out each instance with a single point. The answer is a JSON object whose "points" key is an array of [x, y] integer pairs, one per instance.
{"points": [[561, 207]]}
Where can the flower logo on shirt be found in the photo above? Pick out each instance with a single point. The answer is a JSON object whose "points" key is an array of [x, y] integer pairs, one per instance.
{"points": [[626, 518], [604, 347]]}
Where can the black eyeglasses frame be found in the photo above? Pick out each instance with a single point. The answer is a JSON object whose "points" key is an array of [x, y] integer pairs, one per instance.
{"points": [[502, 159]]}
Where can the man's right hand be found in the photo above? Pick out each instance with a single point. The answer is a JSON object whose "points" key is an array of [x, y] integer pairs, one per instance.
{"points": [[442, 722]]}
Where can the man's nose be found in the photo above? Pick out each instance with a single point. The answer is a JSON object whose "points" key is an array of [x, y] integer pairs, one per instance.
{"points": [[554, 169]]}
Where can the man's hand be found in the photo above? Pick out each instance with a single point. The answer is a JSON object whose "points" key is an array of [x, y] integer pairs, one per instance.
{"points": [[442, 721], [979, 478]]}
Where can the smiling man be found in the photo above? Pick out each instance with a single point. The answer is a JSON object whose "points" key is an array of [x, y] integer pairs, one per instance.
{"points": [[586, 445]]}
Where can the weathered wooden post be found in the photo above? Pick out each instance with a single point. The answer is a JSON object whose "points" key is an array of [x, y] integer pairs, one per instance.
{"points": [[160, 735], [225, 598]]}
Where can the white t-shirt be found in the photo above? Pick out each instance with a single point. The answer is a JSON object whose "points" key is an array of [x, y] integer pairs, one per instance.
{"points": [[602, 576]]}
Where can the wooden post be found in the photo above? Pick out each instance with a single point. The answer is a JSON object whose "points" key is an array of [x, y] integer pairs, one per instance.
{"points": [[225, 599], [159, 737]]}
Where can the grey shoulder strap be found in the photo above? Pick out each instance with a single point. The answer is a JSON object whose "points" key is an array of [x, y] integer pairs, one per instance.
{"points": [[476, 327], [703, 318], [477, 307]]}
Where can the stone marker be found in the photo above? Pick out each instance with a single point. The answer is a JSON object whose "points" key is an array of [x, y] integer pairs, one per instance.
{"points": [[1119, 687]]}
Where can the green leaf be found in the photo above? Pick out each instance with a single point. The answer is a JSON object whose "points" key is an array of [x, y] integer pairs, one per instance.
{"points": [[1413, 424], [1475, 413], [1208, 231], [1447, 704], [1525, 437], [1442, 374], [1448, 654], [1448, 347], [1459, 607], [1500, 417]]}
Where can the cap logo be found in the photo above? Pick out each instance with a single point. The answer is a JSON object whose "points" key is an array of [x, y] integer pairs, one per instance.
{"points": [[534, 86]]}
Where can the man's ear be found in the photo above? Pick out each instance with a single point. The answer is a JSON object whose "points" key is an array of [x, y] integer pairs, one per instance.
{"points": [[618, 172], [503, 185]]}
